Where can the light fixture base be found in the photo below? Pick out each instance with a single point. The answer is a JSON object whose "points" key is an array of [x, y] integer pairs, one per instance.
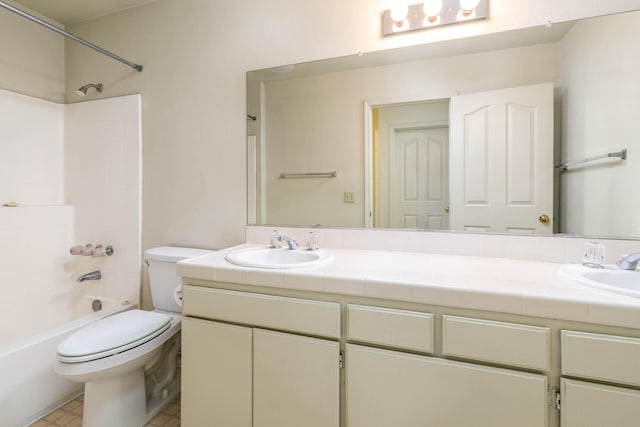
{"points": [[451, 13]]}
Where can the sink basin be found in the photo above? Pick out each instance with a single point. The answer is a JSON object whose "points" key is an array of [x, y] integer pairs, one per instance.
{"points": [[265, 257], [609, 279]]}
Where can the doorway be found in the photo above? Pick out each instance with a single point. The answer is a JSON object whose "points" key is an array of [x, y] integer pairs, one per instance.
{"points": [[409, 166]]}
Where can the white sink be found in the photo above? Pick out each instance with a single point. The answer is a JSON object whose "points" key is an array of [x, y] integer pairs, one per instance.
{"points": [[609, 278], [266, 257]]}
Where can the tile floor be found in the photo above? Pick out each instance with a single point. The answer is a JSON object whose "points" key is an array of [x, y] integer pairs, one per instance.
{"points": [[70, 415]]}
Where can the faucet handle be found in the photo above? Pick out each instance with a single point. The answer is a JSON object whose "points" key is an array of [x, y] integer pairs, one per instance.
{"points": [[593, 256], [313, 243], [276, 239]]}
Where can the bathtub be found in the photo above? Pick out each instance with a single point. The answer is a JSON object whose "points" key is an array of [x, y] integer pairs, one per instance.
{"points": [[29, 387]]}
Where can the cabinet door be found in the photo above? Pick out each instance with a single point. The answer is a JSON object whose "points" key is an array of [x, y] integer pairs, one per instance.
{"points": [[216, 374], [296, 381], [593, 405], [391, 389]]}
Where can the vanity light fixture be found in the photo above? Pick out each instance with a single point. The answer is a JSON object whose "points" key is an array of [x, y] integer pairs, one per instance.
{"points": [[468, 6], [432, 9], [432, 13], [398, 14], [467, 10]]}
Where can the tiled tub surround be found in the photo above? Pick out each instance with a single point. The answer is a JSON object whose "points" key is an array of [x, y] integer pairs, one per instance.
{"points": [[420, 336]]}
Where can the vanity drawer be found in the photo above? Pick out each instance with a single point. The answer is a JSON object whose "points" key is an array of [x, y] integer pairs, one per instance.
{"points": [[509, 344], [287, 314], [410, 330], [601, 357]]}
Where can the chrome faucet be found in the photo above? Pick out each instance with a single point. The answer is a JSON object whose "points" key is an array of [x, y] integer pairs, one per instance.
{"points": [[94, 275], [278, 238], [628, 262], [290, 241]]}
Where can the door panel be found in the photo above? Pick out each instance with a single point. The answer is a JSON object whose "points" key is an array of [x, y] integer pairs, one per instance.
{"points": [[476, 157], [520, 155]]}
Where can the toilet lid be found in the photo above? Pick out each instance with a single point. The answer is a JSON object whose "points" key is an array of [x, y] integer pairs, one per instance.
{"points": [[112, 335]]}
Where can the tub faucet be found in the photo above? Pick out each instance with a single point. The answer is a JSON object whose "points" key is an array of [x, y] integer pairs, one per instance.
{"points": [[94, 275], [628, 262]]}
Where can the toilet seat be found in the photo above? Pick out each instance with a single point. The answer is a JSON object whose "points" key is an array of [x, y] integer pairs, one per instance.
{"points": [[112, 335]]}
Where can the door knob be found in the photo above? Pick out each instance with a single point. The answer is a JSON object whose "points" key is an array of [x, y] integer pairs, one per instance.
{"points": [[543, 219]]}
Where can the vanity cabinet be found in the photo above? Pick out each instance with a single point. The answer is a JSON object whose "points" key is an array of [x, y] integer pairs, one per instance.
{"points": [[263, 359], [611, 359], [236, 373], [393, 387]]}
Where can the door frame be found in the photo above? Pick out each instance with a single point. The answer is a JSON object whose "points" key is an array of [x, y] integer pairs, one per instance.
{"points": [[368, 107]]}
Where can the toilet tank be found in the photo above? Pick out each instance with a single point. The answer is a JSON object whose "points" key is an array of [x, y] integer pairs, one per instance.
{"points": [[162, 273]]}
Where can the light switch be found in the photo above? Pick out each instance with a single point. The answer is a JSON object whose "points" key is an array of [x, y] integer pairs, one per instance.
{"points": [[348, 197]]}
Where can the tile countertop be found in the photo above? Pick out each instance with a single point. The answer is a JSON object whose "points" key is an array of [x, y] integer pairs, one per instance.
{"points": [[527, 288]]}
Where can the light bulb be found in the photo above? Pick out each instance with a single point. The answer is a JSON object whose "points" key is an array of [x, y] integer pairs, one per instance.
{"points": [[432, 8], [467, 6], [399, 12]]}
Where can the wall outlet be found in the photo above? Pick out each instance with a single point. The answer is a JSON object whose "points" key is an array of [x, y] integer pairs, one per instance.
{"points": [[348, 197]]}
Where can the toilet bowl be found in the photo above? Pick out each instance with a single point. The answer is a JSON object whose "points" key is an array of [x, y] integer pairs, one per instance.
{"points": [[128, 360]]}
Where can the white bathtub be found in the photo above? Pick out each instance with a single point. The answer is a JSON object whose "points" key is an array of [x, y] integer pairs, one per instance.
{"points": [[29, 388]]}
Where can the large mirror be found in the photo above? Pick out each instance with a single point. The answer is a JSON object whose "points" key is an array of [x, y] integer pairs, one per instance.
{"points": [[528, 131]]}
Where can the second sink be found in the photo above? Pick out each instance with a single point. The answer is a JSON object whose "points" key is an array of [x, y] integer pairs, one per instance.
{"points": [[610, 279]]}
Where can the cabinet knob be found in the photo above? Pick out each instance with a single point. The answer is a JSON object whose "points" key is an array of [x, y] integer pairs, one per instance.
{"points": [[543, 219]]}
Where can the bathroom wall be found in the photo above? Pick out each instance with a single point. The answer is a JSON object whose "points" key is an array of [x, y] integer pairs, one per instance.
{"points": [[31, 57], [196, 53], [602, 192], [297, 142]]}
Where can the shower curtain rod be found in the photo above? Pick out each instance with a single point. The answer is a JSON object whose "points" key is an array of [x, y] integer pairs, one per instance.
{"points": [[69, 35]]}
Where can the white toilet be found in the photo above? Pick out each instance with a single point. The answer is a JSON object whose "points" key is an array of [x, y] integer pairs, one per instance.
{"points": [[128, 360]]}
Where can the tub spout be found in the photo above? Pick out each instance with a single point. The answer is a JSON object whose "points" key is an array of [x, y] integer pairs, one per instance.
{"points": [[94, 275]]}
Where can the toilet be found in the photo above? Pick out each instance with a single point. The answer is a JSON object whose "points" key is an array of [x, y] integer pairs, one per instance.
{"points": [[128, 360]]}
